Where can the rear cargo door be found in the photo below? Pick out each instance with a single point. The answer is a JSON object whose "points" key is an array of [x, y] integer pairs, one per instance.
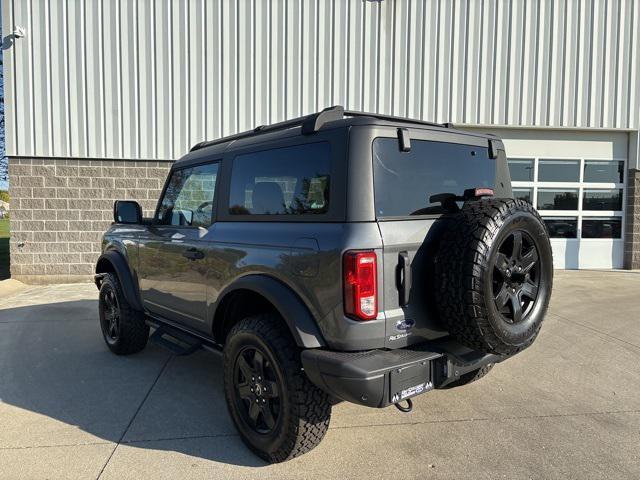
{"points": [[411, 221]]}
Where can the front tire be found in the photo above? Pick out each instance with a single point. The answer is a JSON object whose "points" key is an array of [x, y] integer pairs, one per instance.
{"points": [[123, 328], [278, 412]]}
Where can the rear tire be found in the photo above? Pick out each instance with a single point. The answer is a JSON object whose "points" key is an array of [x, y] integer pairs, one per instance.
{"points": [[278, 412], [124, 329], [494, 273]]}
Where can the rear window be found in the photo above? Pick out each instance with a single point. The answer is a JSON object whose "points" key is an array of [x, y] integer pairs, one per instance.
{"points": [[405, 181], [283, 181]]}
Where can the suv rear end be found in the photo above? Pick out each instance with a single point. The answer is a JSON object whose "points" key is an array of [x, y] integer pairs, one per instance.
{"points": [[393, 190], [394, 170]]}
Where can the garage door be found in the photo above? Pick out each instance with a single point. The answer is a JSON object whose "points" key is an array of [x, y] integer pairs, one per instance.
{"points": [[576, 180]]}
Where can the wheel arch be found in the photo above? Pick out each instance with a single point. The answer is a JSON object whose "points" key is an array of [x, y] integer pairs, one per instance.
{"points": [[113, 261], [257, 293]]}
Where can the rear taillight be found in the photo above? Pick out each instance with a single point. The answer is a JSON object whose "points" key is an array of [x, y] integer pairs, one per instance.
{"points": [[360, 285]]}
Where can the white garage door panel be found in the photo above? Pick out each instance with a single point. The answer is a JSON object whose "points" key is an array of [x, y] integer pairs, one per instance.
{"points": [[573, 254], [564, 143], [570, 152], [601, 253]]}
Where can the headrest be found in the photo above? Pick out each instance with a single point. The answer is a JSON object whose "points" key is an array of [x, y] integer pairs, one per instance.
{"points": [[267, 198]]}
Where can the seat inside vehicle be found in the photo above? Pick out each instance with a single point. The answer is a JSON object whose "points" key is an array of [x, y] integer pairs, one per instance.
{"points": [[267, 197]]}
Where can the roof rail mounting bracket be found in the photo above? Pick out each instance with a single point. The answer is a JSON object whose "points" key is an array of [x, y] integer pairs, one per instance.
{"points": [[315, 122]]}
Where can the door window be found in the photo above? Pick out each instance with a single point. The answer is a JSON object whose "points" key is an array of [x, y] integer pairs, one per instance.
{"points": [[188, 198]]}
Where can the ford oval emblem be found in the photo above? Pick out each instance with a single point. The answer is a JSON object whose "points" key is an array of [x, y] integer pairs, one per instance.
{"points": [[406, 324]]}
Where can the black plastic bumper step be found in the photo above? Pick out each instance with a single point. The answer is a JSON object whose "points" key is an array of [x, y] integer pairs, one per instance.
{"points": [[377, 378], [174, 340]]}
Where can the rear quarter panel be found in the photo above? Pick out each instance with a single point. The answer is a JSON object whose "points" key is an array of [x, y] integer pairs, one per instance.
{"points": [[307, 257]]}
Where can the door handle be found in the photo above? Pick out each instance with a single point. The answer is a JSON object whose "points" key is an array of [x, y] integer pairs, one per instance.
{"points": [[403, 278], [193, 254]]}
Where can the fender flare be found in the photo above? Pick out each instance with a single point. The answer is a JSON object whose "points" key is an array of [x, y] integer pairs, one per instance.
{"points": [[295, 313], [121, 268]]}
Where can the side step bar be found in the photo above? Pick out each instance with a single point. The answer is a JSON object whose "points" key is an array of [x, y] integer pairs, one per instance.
{"points": [[178, 340], [175, 341]]}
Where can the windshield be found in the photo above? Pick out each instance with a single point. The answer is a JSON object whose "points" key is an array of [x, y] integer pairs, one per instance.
{"points": [[406, 181]]}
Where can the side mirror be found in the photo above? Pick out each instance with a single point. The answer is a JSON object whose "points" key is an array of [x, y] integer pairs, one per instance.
{"points": [[127, 211]]}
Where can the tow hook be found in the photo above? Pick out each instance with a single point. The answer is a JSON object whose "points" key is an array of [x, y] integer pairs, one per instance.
{"points": [[406, 409]]}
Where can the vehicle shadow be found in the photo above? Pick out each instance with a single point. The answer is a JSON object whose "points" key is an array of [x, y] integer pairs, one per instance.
{"points": [[54, 363]]}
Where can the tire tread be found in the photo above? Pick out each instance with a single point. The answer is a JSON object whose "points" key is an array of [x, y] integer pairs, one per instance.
{"points": [[462, 259], [134, 332], [310, 407]]}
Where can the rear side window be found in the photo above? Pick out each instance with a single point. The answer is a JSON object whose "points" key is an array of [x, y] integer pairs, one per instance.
{"points": [[283, 181], [405, 181]]}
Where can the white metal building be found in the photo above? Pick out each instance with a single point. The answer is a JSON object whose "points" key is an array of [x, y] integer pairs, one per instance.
{"points": [[143, 80]]}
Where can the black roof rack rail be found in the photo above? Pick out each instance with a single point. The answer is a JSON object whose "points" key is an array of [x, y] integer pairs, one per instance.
{"points": [[309, 123], [350, 113], [312, 123]]}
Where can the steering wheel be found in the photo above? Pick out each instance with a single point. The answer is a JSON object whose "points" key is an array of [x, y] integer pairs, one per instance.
{"points": [[202, 206]]}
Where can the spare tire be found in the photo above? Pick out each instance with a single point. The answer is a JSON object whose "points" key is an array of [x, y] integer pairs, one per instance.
{"points": [[494, 274]]}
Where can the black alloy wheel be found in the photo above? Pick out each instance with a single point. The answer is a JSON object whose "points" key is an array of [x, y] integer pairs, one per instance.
{"points": [[124, 329], [257, 390], [516, 276], [494, 273], [278, 412], [110, 318]]}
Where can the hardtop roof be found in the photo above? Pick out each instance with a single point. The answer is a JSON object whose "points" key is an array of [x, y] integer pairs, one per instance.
{"points": [[296, 127]]}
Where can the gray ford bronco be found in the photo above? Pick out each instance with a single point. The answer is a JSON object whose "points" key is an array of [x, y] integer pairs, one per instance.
{"points": [[341, 256]]}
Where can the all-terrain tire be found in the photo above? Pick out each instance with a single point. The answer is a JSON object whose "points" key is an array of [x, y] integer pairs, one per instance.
{"points": [[471, 377], [304, 410], [132, 331], [474, 275]]}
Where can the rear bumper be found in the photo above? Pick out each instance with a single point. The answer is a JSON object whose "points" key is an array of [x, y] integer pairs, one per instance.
{"points": [[378, 378]]}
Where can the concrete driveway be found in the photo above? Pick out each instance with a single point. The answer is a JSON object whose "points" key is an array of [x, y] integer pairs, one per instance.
{"points": [[568, 407]]}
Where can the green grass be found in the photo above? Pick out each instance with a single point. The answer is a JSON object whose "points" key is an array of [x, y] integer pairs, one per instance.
{"points": [[4, 248]]}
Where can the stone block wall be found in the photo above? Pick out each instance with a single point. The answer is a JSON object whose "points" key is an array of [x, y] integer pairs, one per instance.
{"points": [[61, 208], [632, 221]]}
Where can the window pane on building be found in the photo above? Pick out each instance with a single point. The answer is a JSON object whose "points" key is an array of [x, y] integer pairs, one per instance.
{"points": [[549, 199], [602, 227], [559, 171], [603, 171], [521, 169], [602, 199], [525, 194], [562, 227]]}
